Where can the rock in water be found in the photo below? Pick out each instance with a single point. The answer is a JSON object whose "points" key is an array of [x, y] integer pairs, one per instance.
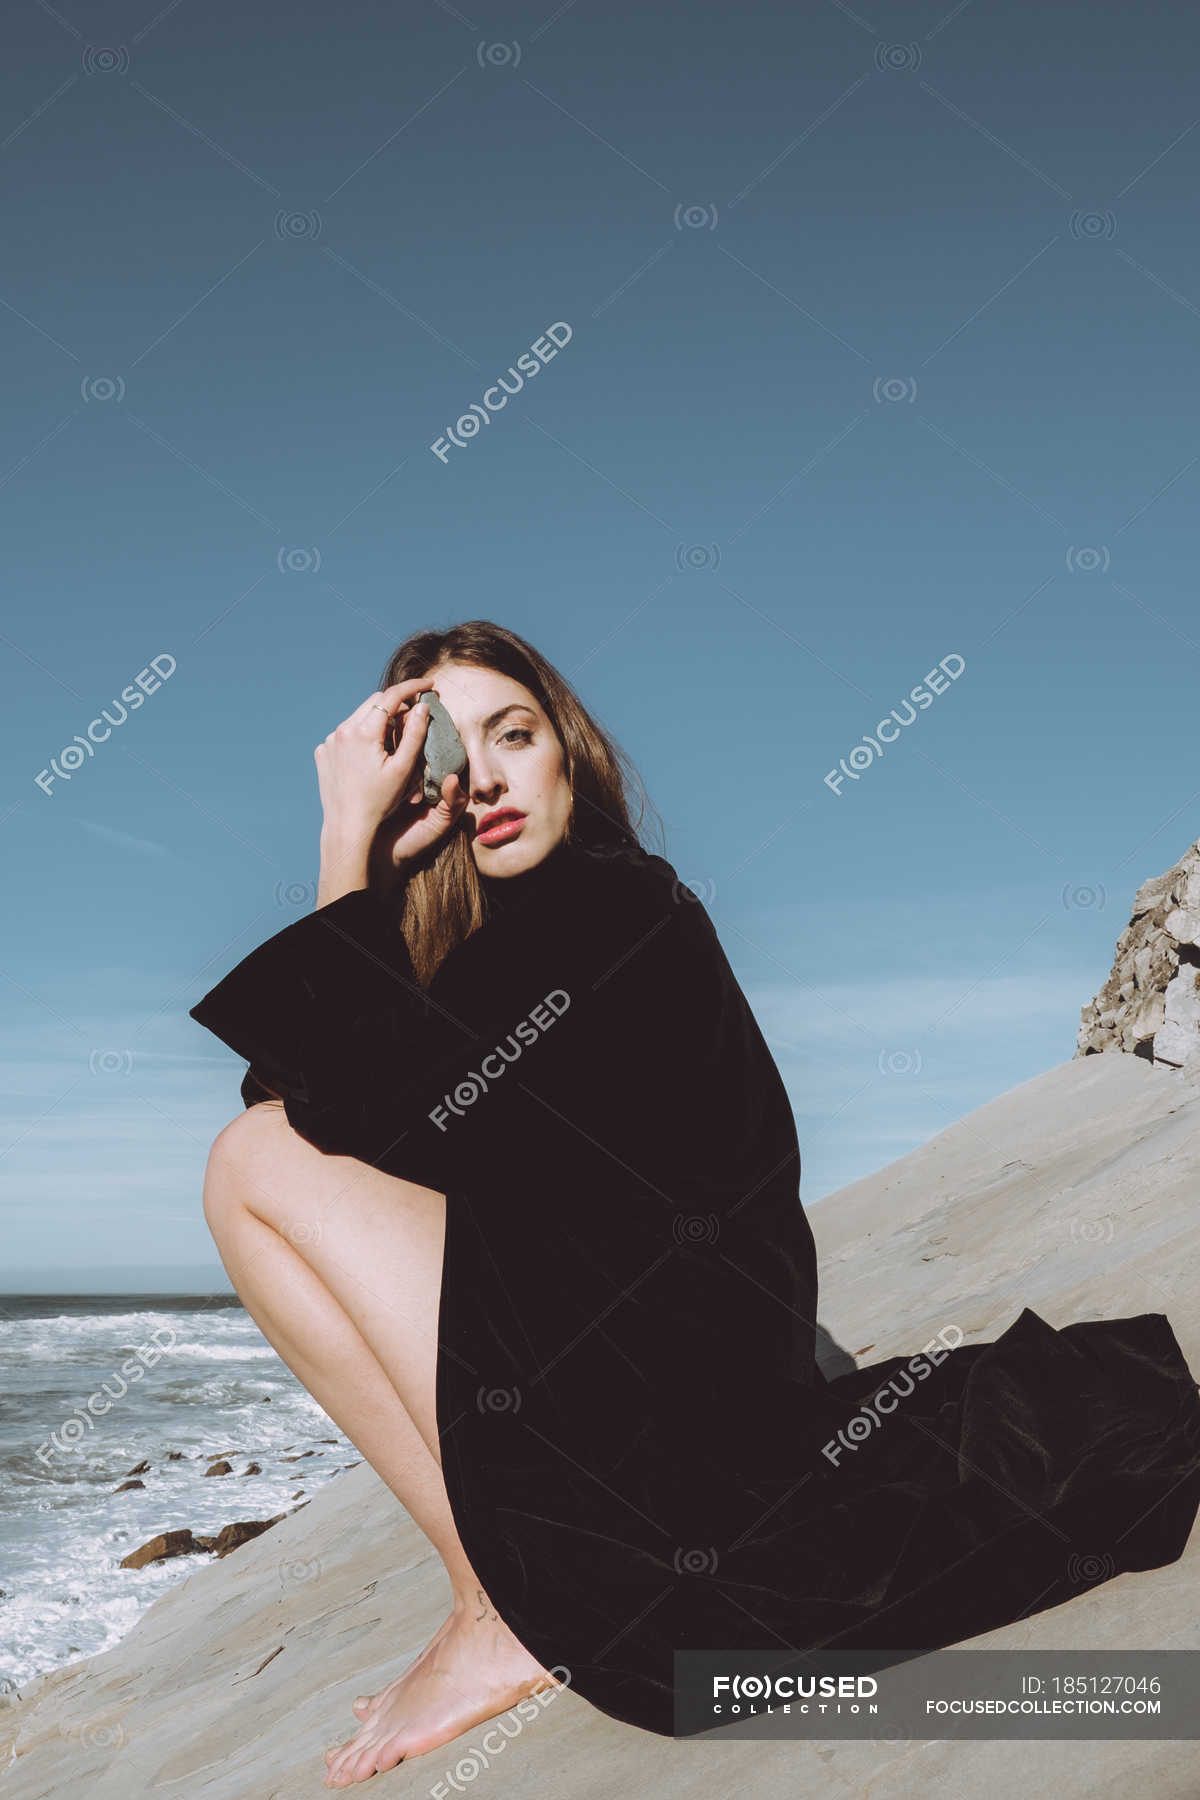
{"points": [[156, 1549], [240, 1532]]}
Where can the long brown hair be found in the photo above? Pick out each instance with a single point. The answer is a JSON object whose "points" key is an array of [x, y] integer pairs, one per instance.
{"points": [[442, 901]]}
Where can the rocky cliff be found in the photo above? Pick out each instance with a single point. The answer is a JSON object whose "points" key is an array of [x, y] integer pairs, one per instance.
{"points": [[1150, 1004]]}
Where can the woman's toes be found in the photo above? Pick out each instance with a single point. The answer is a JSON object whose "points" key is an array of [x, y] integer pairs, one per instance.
{"points": [[350, 1769], [362, 1705], [338, 1752], [334, 1772]]}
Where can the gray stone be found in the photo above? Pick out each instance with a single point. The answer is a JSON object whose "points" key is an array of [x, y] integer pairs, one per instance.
{"points": [[445, 752], [1150, 893], [1176, 1042], [1184, 925]]}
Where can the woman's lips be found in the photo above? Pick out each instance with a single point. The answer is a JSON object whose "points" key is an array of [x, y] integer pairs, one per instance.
{"points": [[500, 834]]}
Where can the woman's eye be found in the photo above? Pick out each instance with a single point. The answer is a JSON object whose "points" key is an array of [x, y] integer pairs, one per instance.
{"points": [[517, 731]]}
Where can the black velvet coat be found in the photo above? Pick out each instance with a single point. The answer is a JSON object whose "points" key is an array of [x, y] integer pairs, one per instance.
{"points": [[632, 1423]]}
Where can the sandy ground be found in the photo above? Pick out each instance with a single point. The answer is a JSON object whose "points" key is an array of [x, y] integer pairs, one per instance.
{"points": [[1077, 1193]]}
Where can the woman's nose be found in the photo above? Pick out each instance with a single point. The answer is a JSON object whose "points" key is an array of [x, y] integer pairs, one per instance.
{"points": [[482, 781]]}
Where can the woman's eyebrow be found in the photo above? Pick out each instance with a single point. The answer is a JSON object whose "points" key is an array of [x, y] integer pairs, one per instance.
{"points": [[513, 706]]}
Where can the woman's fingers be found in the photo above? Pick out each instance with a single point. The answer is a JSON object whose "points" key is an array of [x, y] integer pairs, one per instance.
{"points": [[413, 727], [456, 798], [403, 764], [366, 766], [377, 709], [401, 690], [442, 816], [402, 695], [372, 764], [417, 833]]}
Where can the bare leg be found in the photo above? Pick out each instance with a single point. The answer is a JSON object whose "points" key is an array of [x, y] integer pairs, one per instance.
{"points": [[320, 1343], [340, 1267]]}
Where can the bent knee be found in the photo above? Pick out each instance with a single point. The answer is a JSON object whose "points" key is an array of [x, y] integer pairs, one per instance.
{"points": [[246, 1130], [260, 1155], [238, 1148]]}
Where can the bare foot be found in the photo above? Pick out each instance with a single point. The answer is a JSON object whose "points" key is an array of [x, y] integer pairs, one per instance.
{"points": [[367, 1704], [472, 1669]]}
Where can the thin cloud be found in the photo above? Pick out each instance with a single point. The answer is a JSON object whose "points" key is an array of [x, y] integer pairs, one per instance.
{"points": [[125, 840]]}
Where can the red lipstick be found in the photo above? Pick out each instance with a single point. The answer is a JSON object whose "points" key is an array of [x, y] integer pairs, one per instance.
{"points": [[499, 826]]}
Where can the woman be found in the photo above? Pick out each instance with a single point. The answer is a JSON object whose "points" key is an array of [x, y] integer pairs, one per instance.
{"points": [[515, 1195]]}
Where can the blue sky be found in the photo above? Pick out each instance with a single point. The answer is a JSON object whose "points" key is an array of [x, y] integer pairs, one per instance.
{"points": [[883, 333]]}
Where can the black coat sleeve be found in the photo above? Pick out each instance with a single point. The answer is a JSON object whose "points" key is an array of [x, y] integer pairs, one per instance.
{"points": [[654, 1063], [331, 1018]]}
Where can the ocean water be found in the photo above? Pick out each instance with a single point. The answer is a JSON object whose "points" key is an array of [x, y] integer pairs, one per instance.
{"points": [[92, 1385]]}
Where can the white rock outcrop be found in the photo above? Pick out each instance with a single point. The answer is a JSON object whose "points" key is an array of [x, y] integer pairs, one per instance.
{"points": [[1150, 1004]]}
